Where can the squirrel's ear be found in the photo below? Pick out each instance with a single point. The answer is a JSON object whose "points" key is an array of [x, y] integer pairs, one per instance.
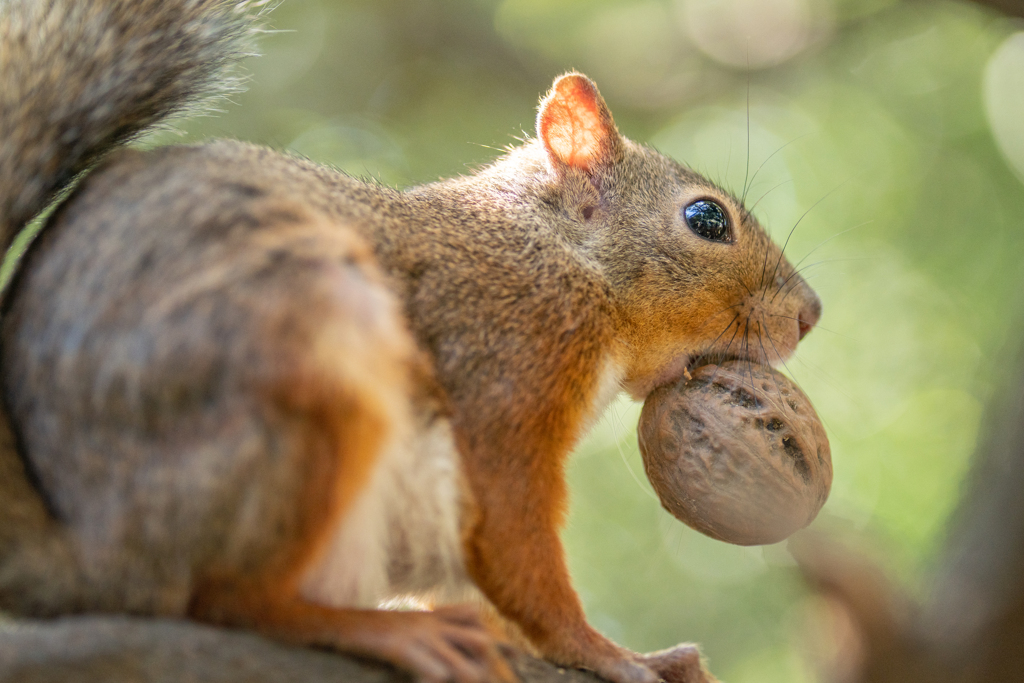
{"points": [[575, 125]]}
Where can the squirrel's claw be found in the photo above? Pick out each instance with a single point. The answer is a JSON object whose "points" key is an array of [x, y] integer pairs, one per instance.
{"points": [[450, 644], [473, 640]]}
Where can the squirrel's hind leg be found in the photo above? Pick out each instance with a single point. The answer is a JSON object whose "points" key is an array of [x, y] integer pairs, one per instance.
{"points": [[352, 390]]}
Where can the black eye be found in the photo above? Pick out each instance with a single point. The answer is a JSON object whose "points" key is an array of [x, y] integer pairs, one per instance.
{"points": [[708, 220]]}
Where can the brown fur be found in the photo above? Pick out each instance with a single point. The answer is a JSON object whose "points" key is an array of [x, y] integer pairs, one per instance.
{"points": [[209, 349]]}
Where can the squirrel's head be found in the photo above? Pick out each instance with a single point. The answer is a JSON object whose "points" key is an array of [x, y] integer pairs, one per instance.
{"points": [[693, 275]]}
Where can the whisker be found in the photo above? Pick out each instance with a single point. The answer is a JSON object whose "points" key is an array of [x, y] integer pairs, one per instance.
{"points": [[838, 259], [801, 271], [728, 164], [746, 353], [808, 279], [727, 347], [738, 279], [821, 373], [799, 220], [750, 211], [614, 417], [792, 275], [824, 242], [793, 287], [786, 282], [823, 421], [629, 468], [702, 356], [712, 317], [799, 137], [760, 341], [779, 355], [831, 381], [732, 338], [746, 171], [764, 268]]}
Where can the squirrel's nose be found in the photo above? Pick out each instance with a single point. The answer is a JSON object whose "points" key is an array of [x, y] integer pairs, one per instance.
{"points": [[809, 315]]}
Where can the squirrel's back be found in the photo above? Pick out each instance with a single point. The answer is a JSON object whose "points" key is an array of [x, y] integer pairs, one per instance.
{"points": [[167, 346]]}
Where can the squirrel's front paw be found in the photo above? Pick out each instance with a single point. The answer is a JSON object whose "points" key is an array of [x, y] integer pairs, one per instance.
{"points": [[679, 664]]}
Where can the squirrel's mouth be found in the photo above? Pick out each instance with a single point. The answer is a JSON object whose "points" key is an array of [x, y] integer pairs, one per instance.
{"points": [[681, 367], [719, 358]]}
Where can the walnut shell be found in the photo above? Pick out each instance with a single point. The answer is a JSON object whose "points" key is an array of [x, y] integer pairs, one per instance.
{"points": [[737, 452]]}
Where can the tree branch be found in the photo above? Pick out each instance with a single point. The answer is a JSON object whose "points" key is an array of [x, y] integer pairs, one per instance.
{"points": [[119, 649]]}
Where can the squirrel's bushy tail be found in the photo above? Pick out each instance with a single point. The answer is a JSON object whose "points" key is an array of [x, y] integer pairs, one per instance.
{"points": [[77, 79]]}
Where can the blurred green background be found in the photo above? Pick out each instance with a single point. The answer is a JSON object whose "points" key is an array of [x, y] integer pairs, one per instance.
{"points": [[898, 127]]}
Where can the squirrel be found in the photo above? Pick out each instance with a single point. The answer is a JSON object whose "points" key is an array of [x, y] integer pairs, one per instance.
{"points": [[252, 391]]}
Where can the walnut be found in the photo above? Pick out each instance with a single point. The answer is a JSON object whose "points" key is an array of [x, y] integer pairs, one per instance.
{"points": [[736, 452]]}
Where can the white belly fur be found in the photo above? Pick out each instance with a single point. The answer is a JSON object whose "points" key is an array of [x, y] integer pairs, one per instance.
{"points": [[401, 537]]}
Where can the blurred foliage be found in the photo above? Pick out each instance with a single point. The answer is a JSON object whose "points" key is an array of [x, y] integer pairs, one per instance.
{"points": [[887, 132]]}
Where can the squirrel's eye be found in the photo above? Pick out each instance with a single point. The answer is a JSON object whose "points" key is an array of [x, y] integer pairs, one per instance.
{"points": [[707, 219]]}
